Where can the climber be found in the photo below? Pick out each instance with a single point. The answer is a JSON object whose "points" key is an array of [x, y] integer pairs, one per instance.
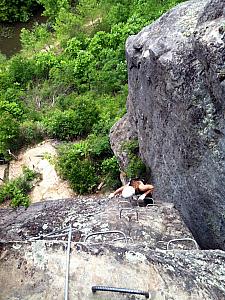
{"points": [[134, 186]]}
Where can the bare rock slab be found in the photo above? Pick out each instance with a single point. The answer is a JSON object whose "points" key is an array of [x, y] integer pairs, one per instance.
{"points": [[37, 271], [150, 227], [33, 264]]}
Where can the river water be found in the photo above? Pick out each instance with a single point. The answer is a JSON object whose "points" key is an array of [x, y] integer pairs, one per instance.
{"points": [[10, 34]]}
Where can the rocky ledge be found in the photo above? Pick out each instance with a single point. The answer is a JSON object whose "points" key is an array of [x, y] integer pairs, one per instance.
{"points": [[137, 253]]}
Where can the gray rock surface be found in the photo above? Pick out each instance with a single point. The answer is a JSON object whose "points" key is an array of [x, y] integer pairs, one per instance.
{"points": [[176, 69], [123, 128], [145, 226], [35, 269]]}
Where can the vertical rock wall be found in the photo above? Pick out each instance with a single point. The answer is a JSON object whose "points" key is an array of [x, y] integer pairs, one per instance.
{"points": [[176, 70]]}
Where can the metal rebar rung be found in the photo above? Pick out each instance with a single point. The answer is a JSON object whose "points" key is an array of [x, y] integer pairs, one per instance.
{"points": [[152, 204], [106, 232], [66, 291], [181, 240], [120, 239], [119, 290], [51, 234]]}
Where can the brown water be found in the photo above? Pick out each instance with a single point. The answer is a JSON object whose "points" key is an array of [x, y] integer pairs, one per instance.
{"points": [[10, 34]]}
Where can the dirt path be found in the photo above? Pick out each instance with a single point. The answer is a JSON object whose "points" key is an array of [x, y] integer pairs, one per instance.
{"points": [[51, 187]]}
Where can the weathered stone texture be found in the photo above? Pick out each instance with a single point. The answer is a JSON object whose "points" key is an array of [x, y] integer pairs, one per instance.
{"points": [[122, 128], [37, 271], [176, 69], [92, 214], [35, 268]]}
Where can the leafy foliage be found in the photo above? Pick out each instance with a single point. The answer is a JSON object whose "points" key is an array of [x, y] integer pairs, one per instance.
{"points": [[35, 38], [31, 132], [9, 132], [72, 123], [21, 70], [16, 10], [70, 81], [110, 172], [52, 7], [17, 189], [87, 163]]}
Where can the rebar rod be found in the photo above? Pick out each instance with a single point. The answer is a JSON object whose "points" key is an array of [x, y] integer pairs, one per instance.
{"points": [[64, 231], [41, 236], [106, 232], [119, 290], [181, 240], [68, 263]]}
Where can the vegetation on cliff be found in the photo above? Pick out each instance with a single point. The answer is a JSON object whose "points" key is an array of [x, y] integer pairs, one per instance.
{"points": [[70, 81], [17, 190]]}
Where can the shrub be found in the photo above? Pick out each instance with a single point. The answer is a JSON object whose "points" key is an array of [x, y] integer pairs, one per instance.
{"points": [[83, 177], [31, 132], [136, 168], [110, 173], [73, 47], [12, 108], [21, 70], [99, 147], [53, 7], [9, 132], [17, 189], [16, 10], [72, 123], [87, 163], [35, 38], [75, 165], [43, 62], [68, 25]]}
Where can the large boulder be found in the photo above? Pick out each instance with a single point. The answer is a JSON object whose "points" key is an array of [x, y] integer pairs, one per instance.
{"points": [[176, 69]]}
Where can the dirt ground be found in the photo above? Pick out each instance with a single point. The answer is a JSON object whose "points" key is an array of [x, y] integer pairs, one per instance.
{"points": [[51, 187]]}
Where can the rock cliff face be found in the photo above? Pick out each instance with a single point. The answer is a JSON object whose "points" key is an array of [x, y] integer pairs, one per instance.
{"points": [[176, 104]]}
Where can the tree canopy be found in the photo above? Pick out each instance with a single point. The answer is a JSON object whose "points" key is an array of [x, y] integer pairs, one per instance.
{"points": [[69, 81]]}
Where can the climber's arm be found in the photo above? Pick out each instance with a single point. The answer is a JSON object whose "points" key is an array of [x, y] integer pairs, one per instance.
{"points": [[118, 191]]}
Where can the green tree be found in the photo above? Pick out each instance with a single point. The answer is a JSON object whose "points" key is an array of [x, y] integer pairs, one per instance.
{"points": [[16, 10], [21, 70], [53, 7], [74, 122], [9, 132]]}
